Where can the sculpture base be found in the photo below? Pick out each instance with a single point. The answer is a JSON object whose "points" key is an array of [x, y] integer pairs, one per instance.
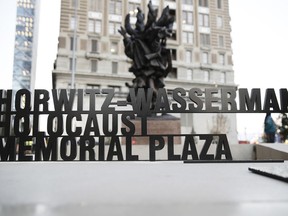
{"points": [[156, 125]]}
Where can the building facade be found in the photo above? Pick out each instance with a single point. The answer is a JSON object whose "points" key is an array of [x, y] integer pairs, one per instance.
{"points": [[200, 47]]}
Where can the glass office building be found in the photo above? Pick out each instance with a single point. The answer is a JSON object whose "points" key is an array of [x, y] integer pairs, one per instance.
{"points": [[23, 53]]}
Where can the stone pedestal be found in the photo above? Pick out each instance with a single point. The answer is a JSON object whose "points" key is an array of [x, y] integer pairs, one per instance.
{"points": [[159, 125]]}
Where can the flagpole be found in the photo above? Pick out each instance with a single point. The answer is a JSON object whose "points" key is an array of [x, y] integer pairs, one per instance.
{"points": [[74, 46]]}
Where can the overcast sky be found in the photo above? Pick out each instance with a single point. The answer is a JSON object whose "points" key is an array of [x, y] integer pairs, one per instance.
{"points": [[259, 35], [260, 46]]}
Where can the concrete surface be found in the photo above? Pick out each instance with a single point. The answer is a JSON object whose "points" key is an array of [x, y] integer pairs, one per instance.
{"points": [[139, 188], [272, 151]]}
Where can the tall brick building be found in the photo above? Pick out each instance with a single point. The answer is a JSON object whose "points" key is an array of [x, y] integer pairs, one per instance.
{"points": [[200, 47]]}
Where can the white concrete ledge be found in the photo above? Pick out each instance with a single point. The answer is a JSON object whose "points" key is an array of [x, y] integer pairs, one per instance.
{"points": [[272, 151]]}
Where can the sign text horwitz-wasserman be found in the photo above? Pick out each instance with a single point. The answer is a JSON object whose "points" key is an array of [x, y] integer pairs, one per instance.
{"points": [[20, 124]]}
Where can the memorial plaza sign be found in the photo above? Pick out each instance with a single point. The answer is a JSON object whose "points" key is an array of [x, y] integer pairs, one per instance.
{"points": [[124, 121], [20, 124]]}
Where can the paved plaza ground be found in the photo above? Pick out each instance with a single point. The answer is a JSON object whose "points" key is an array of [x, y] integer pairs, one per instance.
{"points": [[139, 188]]}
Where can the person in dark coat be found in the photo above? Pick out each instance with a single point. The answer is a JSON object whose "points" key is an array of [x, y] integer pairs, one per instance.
{"points": [[269, 128]]}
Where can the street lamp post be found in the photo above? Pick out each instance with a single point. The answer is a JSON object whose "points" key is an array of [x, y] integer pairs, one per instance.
{"points": [[74, 45]]}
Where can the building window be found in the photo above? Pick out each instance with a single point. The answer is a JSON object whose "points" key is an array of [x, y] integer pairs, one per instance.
{"points": [[27, 67], [187, 17], [204, 20], [189, 74], [222, 59], [221, 41], [94, 65], [72, 43], [205, 58], [203, 3], [219, 4], [174, 54], [223, 77], [92, 86], [72, 23], [174, 35], [94, 46], [116, 88], [206, 76], [94, 26], [219, 22], [71, 64], [188, 56], [172, 13], [113, 28], [95, 5], [114, 48], [114, 67], [132, 8], [173, 73], [187, 37], [74, 3], [115, 7], [187, 2], [205, 39]]}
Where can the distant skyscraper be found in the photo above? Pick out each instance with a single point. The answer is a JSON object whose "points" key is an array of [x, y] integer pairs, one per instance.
{"points": [[200, 48], [25, 47]]}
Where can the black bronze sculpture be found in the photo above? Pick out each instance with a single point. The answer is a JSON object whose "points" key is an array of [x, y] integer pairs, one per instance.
{"points": [[146, 46]]}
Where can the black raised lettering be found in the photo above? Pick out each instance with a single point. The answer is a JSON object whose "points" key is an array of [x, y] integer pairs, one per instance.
{"points": [[87, 144], [129, 156], [5, 108], [92, 119], [228, 99], [141, 102], [25, 146], [8, 149], [23, 101], [41, 97], [92, 98], [179, 99], [22, 124], [153, 147], [223, 148], [204, 152], [284, 100], [161, 102], [112, 130], [64, 101], [252, 103], [55, 124], [194, 95], [210, 99], [69, 120], [108, 100], [189, 148], [126, 120], [65, 143], [115, 149], [270, 101], [171, 155], [45, 149]]}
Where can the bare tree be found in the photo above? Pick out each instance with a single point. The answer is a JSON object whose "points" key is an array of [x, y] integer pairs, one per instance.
{"points": [[220, 125]]}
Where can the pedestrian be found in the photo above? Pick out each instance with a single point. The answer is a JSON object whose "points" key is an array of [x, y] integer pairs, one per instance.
{"points": [[284, 128], [269, 128]]}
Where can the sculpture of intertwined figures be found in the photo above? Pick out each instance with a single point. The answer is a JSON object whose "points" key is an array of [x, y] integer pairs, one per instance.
{"points": [[146, 46]]}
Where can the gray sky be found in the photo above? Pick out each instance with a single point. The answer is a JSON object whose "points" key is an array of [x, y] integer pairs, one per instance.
{"points": [[260, 42], [260, 46]]}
